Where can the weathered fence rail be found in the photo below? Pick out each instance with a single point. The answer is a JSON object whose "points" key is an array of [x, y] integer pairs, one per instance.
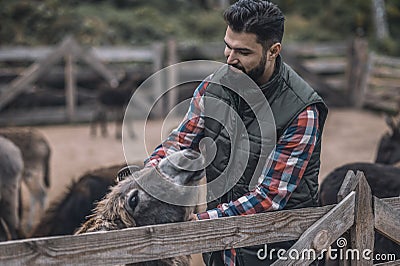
{"points": [[314, 228], [381, 85]]}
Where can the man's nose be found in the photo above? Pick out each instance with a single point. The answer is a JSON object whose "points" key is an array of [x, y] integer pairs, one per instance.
{"points": [[230, 57]]}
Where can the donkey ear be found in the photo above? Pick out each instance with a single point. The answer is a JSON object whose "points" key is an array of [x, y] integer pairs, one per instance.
{"points": [[392, 124]]}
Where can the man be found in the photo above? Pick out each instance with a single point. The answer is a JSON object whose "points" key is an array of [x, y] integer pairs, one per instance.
{"points": [[289, 176]]}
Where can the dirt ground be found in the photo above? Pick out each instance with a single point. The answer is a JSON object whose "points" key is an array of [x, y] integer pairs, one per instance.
{"points": [[349, 136]]}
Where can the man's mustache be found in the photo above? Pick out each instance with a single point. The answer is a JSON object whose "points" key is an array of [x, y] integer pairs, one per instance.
{"points": [[239, 67]]}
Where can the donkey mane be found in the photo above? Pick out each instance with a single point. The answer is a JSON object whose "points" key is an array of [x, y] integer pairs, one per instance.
{"points": [[70, 210]]}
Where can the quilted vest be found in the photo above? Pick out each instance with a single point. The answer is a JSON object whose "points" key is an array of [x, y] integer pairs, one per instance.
{"points": [[288, 95]]}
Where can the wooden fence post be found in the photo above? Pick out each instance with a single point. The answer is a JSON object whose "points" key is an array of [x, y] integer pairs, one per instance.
{"points": [[172, 76], [362, 232], [318, 237], [349, 184], [158, 86], [357, 70], [70, 86]]}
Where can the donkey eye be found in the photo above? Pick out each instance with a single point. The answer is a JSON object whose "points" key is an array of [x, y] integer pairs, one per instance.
{"points": [[133, 200]]}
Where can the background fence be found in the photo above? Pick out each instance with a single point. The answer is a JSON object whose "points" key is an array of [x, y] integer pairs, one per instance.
{"points": [[344, 73]]}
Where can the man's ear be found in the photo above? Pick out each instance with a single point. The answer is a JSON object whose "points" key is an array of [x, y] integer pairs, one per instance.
{"points": [[274, 50]]}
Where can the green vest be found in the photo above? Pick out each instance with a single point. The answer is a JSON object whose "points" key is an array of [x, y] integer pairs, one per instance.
{"points": [[288, 95]]}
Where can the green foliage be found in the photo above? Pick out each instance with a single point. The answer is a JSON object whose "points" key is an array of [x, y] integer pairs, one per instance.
{"points": [[33, 22], [107, 21], [327, 19]]}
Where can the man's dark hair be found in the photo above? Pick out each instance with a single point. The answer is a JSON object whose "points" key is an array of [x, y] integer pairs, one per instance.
{"points": [[260, 17]]}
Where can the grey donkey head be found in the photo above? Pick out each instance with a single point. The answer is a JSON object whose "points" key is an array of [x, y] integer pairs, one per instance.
{"points": [[149, 196]]}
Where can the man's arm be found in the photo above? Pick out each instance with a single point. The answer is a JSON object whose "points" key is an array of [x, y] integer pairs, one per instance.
{"points": [[282, 172], [188, 134]]}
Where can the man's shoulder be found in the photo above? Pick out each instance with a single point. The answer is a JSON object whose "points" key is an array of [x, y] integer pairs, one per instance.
{"points": [[294, 80], [301, 88]]}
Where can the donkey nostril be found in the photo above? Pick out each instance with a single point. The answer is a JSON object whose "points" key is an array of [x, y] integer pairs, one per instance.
{"points": [[133, 200]]}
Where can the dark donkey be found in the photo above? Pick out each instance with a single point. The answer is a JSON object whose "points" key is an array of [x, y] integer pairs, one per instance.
{"points": [[382, 176], [112, 102], [66, 214]]}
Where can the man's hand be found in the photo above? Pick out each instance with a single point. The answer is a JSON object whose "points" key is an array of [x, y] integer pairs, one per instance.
{"points": [[193, 217]]}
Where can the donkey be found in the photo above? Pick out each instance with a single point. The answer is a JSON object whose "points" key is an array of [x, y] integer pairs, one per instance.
{"points": [[389, 145], [382, 176], [110, 101], [36, 154], [11, 168], [113, 101], [67, 213], [130, 205]]}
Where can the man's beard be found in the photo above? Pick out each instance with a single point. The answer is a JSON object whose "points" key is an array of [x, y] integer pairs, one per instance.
{"points": [[256, 72]]}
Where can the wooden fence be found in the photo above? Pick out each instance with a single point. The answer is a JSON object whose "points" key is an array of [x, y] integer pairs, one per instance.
{"points": [[314, 229], [381, 84], [337, 70], [344, 73], [69, 52], [348, 74]]}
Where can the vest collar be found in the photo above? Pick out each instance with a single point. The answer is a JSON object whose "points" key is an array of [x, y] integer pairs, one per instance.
{"points": [[271, 87]]}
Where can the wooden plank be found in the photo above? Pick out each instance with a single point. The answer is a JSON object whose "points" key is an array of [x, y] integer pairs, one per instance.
{"points": [[121, 54], [349, 184], [387, 60], [118, 54], [384, 71], [380, 96], [23, 53], [336, 82], [389, 263], [393, 202], [162, 241], [381, 106], [321, 234], [362, 233], [384, 82], [326, 66], [70, 86], [387, 220], [318, 49]]}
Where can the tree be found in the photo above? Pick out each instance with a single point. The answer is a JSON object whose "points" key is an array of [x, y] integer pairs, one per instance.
{"points": [[381, 24]]}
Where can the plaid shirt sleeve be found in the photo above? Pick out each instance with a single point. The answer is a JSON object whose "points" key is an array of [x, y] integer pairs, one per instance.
{"points": [[282, 172], [188, 134]]}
